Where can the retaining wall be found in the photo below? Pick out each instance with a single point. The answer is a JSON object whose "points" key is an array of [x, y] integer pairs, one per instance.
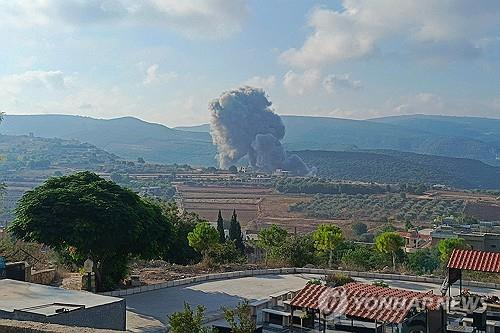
{"points": [[276, 271], [45, 276], [14, 326]]}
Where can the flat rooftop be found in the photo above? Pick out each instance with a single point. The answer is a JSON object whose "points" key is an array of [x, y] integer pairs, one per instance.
{"points": [[37, 298]]}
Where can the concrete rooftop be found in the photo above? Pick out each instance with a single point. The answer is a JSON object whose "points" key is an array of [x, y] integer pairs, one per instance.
{"points": [[16, 295]]}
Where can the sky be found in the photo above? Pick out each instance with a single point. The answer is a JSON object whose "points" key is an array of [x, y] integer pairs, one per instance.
{"points": [[164, 60]]}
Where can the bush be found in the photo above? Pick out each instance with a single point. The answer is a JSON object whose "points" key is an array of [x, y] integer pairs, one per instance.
{"points": [[338, 279], [380, 283], [222, 254]]}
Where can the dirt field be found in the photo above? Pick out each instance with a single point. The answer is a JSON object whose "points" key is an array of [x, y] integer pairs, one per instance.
{"points": [[256, 208], [259, 207]]}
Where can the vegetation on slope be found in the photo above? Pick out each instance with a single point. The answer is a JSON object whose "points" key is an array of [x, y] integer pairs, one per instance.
{"points": [[399, 167]]}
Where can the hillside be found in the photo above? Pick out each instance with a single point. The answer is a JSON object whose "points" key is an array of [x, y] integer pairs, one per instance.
{"points": [[130, 138], [399, 167], [27, 155], [466, 137], [483, 129], [127, 137]]}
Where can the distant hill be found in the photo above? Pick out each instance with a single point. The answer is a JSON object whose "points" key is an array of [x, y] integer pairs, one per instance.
{"points": [[41, 157], [400, 167], [482, 129], [127, 137], [130, 138], [463, 137]]}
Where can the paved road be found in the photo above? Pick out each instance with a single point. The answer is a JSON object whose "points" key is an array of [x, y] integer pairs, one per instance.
{"points": [[151, 309]]}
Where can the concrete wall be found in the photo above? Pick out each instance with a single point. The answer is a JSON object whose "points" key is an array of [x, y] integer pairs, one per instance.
{"points": [[238, 274], [45, 276], [12, 326], [107, 316]]}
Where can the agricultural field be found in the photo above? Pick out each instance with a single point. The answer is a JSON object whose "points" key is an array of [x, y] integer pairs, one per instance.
{"points": [[378, 207], [257, 207]]}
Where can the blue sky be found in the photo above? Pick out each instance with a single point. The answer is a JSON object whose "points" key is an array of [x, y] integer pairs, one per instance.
{"points": [[164, 60]]}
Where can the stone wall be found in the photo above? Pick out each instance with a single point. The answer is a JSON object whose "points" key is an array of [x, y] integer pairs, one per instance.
{"points": [[45, 276], [291, 270], [13, 326]]}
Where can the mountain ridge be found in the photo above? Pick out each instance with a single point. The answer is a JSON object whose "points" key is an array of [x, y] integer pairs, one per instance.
{"points": [[131, 138]]}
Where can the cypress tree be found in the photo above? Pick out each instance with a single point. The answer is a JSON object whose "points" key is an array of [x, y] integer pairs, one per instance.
{"points": [[220, 228], [235, 232]]}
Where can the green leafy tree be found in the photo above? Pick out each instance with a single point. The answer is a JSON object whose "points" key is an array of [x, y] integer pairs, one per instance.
{"points": [[235, 232], [358, 258], [359, 228], [203, 237], [233, 169], [84, 215], [389, 243], [326, 238], [298, 250], [220, 228], [271, 239], [423, 261], [446, 247], [225, 253], [240, 318], [188, 321], [182, 225]]}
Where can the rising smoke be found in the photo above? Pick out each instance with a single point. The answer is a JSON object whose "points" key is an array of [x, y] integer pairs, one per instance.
{"points": [[242, 123]]}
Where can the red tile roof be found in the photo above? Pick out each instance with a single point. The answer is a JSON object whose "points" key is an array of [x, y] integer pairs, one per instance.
{"points": [[481, 261], [365, 301]]}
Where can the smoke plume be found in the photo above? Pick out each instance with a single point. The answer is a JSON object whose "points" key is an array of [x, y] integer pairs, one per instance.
{"points": [[242, 123]]}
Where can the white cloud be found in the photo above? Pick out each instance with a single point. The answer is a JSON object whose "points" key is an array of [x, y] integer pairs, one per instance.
{"points": [[153, 75], [360, 27], [300, 83], [261, 82], [334, 82], [194, 18], [35, 79]]}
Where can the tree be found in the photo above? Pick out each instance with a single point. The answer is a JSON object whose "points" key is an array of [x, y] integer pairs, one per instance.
{"points": [[240, 318], [423, 261], [182, 225], [446, 247], [358, 258], [235, 232], [233, 169], [359, 228], [225, 253], [389, 243], [84, 215], [141, 160], [271, 239], [326, 238], [188, 321], [220, 228], [203, 237], [298, 250]]}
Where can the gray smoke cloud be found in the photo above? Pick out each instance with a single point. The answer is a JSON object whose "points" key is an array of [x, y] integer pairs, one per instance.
{"points": [[242, 123]]}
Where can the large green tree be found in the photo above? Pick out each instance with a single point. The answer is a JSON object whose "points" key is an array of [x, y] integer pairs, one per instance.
{"points": [[326, 238], [235, 232], [203, 237], [182, 225], [271, 239], [390, 243], [446, 247], [85, 215]]}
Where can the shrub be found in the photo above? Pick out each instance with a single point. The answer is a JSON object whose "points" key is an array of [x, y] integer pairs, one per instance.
{"points": [[338, 279]]}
